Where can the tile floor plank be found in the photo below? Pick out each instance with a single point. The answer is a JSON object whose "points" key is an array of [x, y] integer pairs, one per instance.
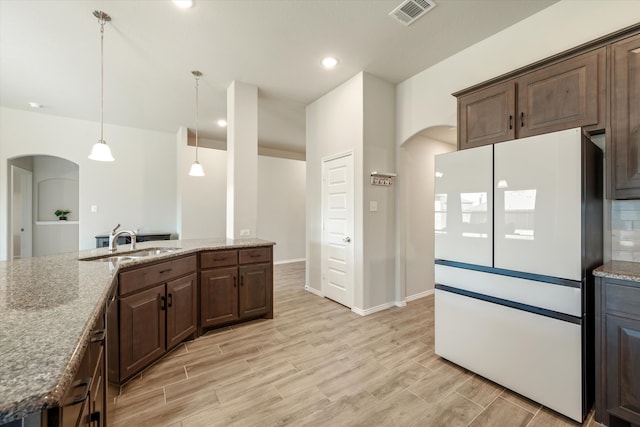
{"points": [[316, 363]]}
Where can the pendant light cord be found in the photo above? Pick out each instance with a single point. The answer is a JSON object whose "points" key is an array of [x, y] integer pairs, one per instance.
{"points": [[197, 74], [197, 84], [102, 21]]}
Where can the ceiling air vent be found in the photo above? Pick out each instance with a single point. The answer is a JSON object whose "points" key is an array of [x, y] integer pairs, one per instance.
{"points": [[410, 10]]}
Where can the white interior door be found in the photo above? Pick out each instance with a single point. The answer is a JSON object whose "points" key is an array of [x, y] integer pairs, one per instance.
{"points": [[337, 229], [21, 212]]}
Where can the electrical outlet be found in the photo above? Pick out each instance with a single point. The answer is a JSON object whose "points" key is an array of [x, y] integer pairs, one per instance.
{"points": [[373, 206], [94, 208], [245, 233]]}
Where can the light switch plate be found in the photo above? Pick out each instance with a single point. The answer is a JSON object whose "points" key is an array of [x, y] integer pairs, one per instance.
{"points": [[373, 206]]}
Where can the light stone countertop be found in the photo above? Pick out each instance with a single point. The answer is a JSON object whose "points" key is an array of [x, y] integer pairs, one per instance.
{"points": [[48, 306], [623, 270]]}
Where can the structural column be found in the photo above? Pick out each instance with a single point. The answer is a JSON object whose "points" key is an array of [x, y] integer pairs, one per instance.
{"points": [[242, 160]]}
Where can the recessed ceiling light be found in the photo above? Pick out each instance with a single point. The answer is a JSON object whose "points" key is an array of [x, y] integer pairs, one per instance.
{"points": [[222, 123], [329, 62], [183, 4], [34, 105]]}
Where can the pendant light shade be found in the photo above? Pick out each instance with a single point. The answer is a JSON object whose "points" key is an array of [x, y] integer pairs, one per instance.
{"points": [[101, 151], [196, 167]]}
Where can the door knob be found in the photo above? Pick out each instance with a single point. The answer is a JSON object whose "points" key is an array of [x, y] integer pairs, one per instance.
{"points": [[346, 239]]}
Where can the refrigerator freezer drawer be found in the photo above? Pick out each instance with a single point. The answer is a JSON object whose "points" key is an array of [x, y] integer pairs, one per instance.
{"points": [[559, 298], [535, 356]]}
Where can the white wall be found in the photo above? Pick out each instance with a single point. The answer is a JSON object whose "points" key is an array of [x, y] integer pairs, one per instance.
{"points": [[357, 116], [417, 187], [202, 200], [281, 199], [51, 236], [281, 206], [137, 190], [425, 99], [334, 125], [379, 227]]}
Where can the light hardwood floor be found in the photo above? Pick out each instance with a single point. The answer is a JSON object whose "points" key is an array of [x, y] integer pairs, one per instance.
{"points": [[318, 364]]}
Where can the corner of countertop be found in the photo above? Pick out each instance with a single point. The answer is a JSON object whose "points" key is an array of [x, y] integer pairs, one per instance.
{"points": [[622, 270]]}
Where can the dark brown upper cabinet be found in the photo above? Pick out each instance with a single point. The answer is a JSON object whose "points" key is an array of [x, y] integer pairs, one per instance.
{"points": [[566, 95], [487, 116], [624, 163], [563, 95]]}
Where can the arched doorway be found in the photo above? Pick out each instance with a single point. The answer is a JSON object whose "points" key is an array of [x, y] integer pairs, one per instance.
{"points": [[40, 186], [417, 206]]}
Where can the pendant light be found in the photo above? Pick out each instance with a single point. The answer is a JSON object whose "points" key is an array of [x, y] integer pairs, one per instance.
{"points": [[100, 150], [196, 167]]}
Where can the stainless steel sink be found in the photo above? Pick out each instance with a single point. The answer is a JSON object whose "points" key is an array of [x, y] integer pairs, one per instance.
{"points": [[130, 256]]}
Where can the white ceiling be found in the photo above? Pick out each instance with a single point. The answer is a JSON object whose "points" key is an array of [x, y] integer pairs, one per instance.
{"points": [[50, 54]]}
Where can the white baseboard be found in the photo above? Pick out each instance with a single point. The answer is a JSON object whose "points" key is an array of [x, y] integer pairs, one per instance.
{"points": [[402, 303], [313, 291], [289, 261], [419, 295], [372, 310]]}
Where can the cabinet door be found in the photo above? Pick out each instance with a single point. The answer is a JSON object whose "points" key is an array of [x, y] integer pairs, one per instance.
{"points": [[565, 95], [218, 296], [181, 309], [625, 119], [255, 290], [487, 116], [623, 368], [142, 330]]}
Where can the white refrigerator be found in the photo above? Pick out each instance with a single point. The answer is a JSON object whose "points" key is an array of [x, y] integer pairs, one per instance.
{"points": [[518, 230]]}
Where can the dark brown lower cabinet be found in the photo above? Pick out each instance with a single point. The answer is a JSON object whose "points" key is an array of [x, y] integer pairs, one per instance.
{"points": [[235, 286], [157, 309], [142, 330], [181, 309], [84, 404], [161, 304], [218, 296], [618, 352], [255, 290]]}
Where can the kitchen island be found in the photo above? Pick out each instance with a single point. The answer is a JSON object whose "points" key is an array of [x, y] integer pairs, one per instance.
{"points": [[49, 307]]}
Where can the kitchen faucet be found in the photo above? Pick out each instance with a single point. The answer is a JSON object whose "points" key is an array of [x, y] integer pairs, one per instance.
{"points": [[113, 238]]}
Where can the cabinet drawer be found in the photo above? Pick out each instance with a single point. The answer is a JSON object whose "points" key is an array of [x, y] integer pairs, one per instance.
{"points": [[213, 259], [142, 277], [250, 256], [622, 299]]}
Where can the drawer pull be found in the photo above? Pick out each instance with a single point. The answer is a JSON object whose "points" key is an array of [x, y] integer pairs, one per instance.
{"points": [[95, 418], [522, 119], [220, 259], [510, 122], [170, 300], [255, 255], [241, 280], [163, 302], [98, 335], [234, 281], [166, 271], [82, 396]]}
